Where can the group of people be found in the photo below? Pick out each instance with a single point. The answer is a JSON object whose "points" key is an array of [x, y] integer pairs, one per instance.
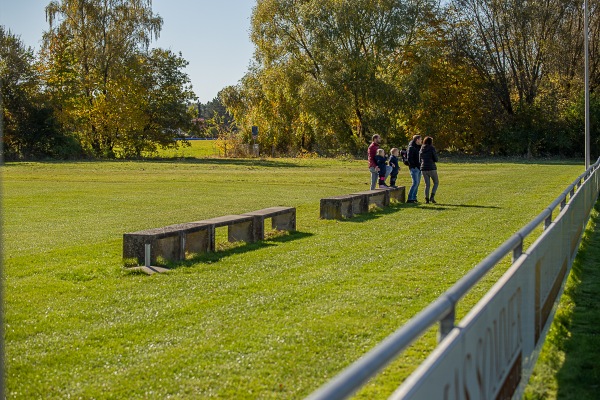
{"points": [[420, 158]]}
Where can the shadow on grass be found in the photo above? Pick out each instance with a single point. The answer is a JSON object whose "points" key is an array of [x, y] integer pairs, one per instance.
{"points": [[462, 159], [378, 212], [579, 376], [240, 248], [395, 207], [249, 162], [445, 206]]}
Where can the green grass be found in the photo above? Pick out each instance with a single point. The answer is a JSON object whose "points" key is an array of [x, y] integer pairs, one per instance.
{"points": [[568, 366], [275, 319], [196, 149]]}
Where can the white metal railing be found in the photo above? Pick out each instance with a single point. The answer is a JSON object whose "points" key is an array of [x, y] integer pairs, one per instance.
{"points": [[442, 310]]}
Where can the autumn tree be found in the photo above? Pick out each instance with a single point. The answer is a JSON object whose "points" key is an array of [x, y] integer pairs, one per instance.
{"points": [[115, 95], [529, 55], [326, 72], [30, 130]]}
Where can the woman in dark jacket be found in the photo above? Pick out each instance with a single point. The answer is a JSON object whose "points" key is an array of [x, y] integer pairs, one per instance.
{"points": [[427, 158], [414, 167]]}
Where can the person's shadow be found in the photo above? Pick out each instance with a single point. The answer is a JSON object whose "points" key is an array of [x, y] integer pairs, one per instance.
{"points": [[448, 206]]}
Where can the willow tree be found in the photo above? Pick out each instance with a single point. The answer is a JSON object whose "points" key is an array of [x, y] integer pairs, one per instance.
{"points": [[330, 67], [95, 58]]}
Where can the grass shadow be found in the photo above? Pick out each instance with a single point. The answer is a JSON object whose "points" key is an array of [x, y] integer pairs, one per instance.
{"points": [[241, 248], [445, 206], [483, 159], [378, 212], [248, 162]]}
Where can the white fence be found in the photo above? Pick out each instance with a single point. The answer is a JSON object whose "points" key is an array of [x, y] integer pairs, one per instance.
{"points": [[490, 354]]}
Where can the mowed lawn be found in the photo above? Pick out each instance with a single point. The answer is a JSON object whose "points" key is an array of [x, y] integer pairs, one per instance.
{"points": [[275, 319], [192, 148]]}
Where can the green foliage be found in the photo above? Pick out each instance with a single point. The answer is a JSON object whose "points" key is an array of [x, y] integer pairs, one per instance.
{"points": [[480, 76], [118, 98], [160, 97], [325, 72], [274, 319], [529, 54], [30, 129], [191, 149]]}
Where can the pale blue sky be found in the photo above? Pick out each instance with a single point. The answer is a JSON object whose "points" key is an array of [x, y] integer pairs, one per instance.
{"points": [[212, 35]]}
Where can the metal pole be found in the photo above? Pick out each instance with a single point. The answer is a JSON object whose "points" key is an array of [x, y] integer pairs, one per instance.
{"points": [[2, 344], [587, 83]]}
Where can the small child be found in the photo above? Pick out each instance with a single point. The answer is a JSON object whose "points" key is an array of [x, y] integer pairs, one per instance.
{"points": [[395, 167], [382, 166]]}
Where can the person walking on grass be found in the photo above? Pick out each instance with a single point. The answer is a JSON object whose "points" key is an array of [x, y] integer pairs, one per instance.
{"points": [[371, 153], [427, 158], [414, 167]]}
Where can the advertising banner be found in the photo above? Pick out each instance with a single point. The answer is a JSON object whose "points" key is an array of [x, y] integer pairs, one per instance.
{"points": [[492, 351]]}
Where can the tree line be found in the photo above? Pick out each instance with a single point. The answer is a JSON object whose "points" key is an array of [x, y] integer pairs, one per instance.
{"points": [[481, 76], [95, 89]]}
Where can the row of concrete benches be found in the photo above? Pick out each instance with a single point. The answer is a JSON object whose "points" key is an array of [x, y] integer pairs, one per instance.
{"points": [[174, 242], [346, 206]]}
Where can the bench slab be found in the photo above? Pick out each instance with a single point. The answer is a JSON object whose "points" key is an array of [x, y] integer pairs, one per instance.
{"points": [[169, 242], [398, 194], [379, 197], [239, 228], [282, 219], [345, 206], [225, 220], [173, 242]]}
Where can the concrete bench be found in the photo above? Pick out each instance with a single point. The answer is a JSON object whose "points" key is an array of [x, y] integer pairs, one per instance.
{"points": [[282, 219], [398, 194], [239, 228], [346, 206], [169, 243], [379, 197]]}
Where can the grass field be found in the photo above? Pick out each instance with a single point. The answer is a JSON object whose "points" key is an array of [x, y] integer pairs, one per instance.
{"points": [[274, 319], [195, 149]]}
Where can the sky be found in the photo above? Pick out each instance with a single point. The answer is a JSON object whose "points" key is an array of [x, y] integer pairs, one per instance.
{"points": [[212, 35]]}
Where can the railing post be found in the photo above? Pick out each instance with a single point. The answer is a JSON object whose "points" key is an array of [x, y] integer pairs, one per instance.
{"points": [[447, 324], [563, 203], [547, 223], [517, 251]]}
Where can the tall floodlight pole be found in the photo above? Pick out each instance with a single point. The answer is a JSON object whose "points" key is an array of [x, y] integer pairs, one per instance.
{"points": [[587, 83]]}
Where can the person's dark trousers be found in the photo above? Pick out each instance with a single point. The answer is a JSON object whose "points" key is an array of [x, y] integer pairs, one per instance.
{"points": [[393, 179], [434, 177]]}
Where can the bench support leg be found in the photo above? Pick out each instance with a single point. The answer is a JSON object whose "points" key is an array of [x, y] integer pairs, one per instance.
{"points": [[284, 222], [241, 232]]}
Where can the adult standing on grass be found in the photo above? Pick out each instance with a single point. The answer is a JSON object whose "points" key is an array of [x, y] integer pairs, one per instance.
{"points": [[414, 167], [371, 153], [427, 158]]}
